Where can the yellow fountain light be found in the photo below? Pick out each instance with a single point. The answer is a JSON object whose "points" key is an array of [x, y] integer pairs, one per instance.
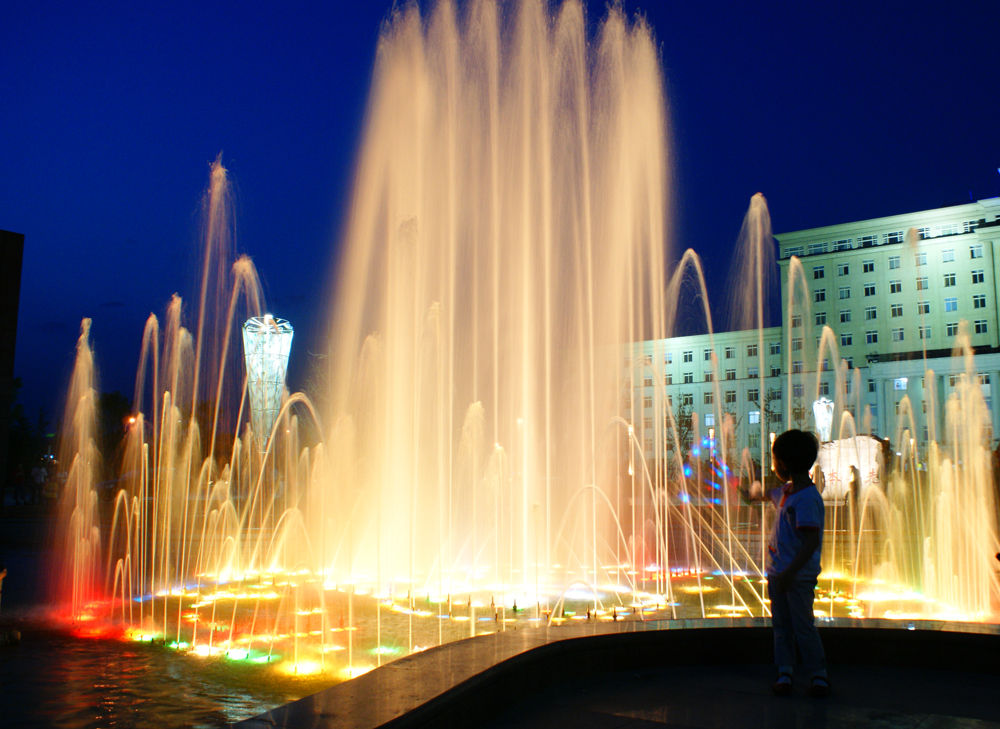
{"points": [[333, 647], [355, 671], [696, 589], [300, 668]]}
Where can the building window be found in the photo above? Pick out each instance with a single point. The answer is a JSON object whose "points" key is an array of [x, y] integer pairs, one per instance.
{"points": [[824, 388], [980, 325], [893, 262], [871, 337], [688, 378], [984, 378], [953, 380], [796, 345], [849, 361], [751, 350], [978, 277], [796, 366], [730, 374], [871, 313], [871, 385], [647, 382], [753, 394], [687, 399], [947, 255], [897, 335], [951, 303], [923, 307], [969, 225], [688, 356], [794, 251], [730, 397], [951, 328], [709, 376], [775, 371], [819, 295], [730, 352], [924, 233], [709, 397], [843, 269], [845, 292], [815, 248], [895, 287], [668, 379], [796, 320], [708, 355], [868, 266], [817, 272], [845, 316], [922, 283], [647, 402], [896, 237], [775, 347], [753, 417], [842, 245], [979, 301], [896, 310], [869, 289], [845, 340], [753, 372], [669, 358], [798, 390], [976, 250], [709, 419], [924, 332], [920, 258], [820, 318], [949, 279], [774, 394]]}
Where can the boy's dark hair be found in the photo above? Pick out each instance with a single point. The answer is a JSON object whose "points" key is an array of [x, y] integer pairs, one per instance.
{"points": [[797, 449]]}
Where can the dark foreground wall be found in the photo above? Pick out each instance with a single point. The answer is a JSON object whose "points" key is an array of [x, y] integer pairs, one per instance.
{"points": [[465, 683]]}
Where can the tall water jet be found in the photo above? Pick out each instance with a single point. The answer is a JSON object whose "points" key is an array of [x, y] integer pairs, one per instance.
{"points": [[507, 239]]}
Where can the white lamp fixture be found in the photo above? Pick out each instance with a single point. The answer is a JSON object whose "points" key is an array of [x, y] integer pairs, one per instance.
{"points": [[266, 344]]}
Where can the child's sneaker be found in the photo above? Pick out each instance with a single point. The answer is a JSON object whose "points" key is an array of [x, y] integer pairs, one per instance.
{"points": [[783, 686], [820, 687]]}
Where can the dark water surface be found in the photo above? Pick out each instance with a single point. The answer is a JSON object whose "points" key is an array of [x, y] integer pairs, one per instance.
{"points": [[51, 679]]}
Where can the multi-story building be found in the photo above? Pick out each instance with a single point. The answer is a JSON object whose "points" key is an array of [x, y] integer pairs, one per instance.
{"points": [[870, 310]]}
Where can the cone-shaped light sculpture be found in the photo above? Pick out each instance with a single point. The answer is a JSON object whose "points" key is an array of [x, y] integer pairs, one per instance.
{"points": [[266, 344]]}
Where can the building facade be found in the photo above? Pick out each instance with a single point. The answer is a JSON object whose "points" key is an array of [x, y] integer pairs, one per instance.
{"points": [[872, 313]]}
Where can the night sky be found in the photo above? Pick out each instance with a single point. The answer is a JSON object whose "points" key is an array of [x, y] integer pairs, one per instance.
{"points": [[110, 116]]}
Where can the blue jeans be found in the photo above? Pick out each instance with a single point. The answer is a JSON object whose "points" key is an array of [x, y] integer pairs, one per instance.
{"points": [[794, 625]]}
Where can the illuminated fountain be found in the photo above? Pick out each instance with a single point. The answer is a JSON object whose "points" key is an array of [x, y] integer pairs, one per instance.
{"points": [[472, 465]]}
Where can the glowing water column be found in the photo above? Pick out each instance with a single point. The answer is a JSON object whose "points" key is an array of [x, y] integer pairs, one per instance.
{"points": [[266, 344]]}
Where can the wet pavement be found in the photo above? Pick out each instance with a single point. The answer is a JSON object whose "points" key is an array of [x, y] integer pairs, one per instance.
{"points": [[738, 696]]}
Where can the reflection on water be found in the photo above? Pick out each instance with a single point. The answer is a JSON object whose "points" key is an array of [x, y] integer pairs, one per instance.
{"points": [[55, 680]]}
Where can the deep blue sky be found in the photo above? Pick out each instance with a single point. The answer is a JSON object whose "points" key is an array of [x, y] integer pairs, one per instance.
{"points": [[110, 116]]}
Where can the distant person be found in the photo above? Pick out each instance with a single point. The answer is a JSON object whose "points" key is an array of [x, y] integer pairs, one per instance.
{"points": [[793, 562]]}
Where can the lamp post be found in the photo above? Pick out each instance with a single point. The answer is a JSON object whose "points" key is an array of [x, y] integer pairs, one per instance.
{"points": [[266, 344], [823, 414]]}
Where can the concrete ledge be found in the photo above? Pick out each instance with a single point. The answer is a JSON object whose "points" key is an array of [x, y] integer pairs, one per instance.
{"points": [[462, 683]]}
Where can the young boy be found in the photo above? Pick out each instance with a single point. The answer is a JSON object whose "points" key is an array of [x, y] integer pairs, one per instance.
{"points": [[793, 562]]}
